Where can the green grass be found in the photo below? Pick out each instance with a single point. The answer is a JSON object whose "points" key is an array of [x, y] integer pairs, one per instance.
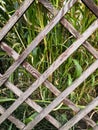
{"points": [[56, 42]]}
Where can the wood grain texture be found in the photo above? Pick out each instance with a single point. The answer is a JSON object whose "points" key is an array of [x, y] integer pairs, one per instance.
{"points": [[96, 127], [68, 26], [50, 70], [49, 85], [37, 40], [14, 120], [63, 95], [92, 6], [44, 113], [15, 17], [80, 115], [32, 104]]}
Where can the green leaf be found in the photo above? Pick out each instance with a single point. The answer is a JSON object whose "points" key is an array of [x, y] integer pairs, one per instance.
{"points": [[6, 99], [69, 79], [10, 127], [2, 53], [78, 68], [30, 118], [93, 80]]}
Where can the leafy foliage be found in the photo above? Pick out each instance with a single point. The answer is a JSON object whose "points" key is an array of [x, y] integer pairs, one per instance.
{"points": [[57, 41]]}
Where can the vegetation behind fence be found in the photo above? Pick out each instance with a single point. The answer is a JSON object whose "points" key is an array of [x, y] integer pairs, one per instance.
{"points": [[48, 64]]}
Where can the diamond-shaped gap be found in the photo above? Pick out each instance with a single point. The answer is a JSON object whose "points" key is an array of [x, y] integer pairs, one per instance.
{"points": [[7, 9], [11, 122], [21, 78], [27, 28], [85, 92], [42, 96], [51, 10], [83, 125], [93, 39], [62, 113], [44, 125], [25, 113], [80, 16], [72, 68], [55, 43], [7, 125], [5, 61], [36, 98], [18, 48], [82, 96], [76, 62], [35, 113], [7, 97]]}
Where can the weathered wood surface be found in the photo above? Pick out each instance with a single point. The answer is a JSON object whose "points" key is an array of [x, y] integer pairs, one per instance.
{"points": [[63, 95], [49, 85], [96, 127], [31, 103], [92, 6], [44, 113], [37, 40], [70, 28], [15, 17], [80, 115], [50, 70], [15, 121]]}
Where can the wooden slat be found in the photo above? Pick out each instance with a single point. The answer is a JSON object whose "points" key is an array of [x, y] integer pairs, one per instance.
{"points": [[15, 17], [70, 28], [92, 6], [15, 121], [80, 115], [96, 127], [32, 104], [63, 95], [41, 78], [51, 69], [37, 40], [49, 85]]}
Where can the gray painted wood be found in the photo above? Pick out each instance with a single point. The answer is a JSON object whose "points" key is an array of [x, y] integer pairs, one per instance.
{"points": [[14, 120], [70, 28], [42, 78], [96, 127], [32, 104], [50, 70], [49, 85], [80, 115], [15, 17], [37, 40], [92, 6], [63, 95]]}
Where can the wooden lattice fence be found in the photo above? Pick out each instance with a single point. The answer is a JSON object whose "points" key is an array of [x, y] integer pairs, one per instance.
{"points": [[42, 78]]}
